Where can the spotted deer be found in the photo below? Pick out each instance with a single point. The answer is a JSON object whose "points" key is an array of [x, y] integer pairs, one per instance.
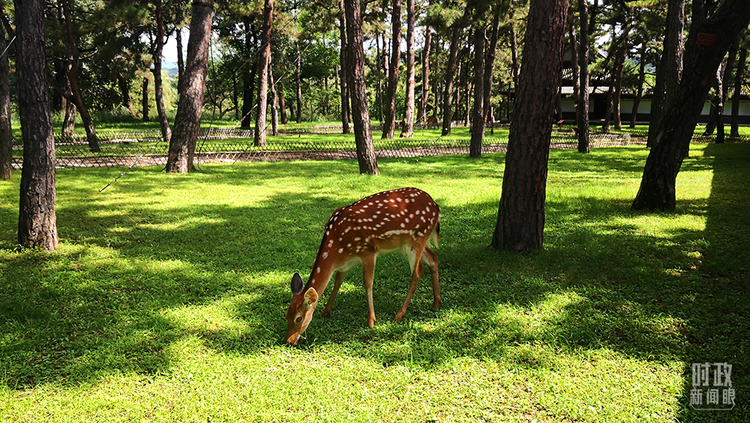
{"points": [[403, 219]]}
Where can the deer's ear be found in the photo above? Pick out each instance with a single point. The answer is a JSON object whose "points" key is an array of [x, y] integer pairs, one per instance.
{"points": [[311, 296], [297, 284]]}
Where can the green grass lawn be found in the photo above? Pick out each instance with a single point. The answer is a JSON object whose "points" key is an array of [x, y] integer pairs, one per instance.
{"points": [[165, 301]]}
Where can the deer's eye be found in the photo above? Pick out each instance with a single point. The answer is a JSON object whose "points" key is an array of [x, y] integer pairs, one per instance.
{"points": [[298, 319]]}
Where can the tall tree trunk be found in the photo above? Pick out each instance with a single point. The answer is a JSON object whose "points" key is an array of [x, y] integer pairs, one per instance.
{"points": [[723, 79], [127, 101], [248, 77], [264, 61], [669, 71], [641, 81], [619, 69], [345, 112], [389, 125], [608, 112], [706, 46], [282, 104], [6, 133], [37, 221], [583, 56], [274, 103], [520, 217], [408, 128], [574, 61], [489, 66], [422, 110], [737, 91], [514, 64], [69, 120], [180, 58], [158, 49], [144, 100], [477, 124], [450, 74], [193, 87], [299, 84], [88, 123], [356, 73], [380, 59]]}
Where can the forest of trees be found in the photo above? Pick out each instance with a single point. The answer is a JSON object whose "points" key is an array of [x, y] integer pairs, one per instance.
{"points": [[392, 61]]}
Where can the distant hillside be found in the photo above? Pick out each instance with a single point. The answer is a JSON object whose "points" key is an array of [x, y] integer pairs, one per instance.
{"points": [[170, 68]]}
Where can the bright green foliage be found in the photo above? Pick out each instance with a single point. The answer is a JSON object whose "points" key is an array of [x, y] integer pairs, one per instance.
{"points": [[166, 299]]}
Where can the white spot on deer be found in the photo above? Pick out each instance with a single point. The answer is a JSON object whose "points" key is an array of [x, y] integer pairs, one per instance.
{"points": [[341, 250], [325, 255], [317, 270]]}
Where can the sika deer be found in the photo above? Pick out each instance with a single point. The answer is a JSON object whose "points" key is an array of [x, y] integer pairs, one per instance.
{"points": [[404, 219]]}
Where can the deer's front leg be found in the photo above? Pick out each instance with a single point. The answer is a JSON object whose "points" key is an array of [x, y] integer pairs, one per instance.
{"points": [[340, 275], [368, 268]]}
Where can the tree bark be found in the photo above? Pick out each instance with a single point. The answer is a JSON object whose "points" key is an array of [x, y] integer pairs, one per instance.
{"points": [[158, 48], [264, 61], [343, 87], [299, 84], [282, 104], [380, 66], [88, 123], [619, 69], [520, 217], [574, 61], [723, 79], [180, 58], [389, 125], [450, 74], [707, 45], [669, 71], [641, 81], [37, 221], [144, 100], [356, 73], [477, 124], [737, 91], [274, 103], [192, 90], [583, 56], [514, 64], [422, 110], [127, 101], [489, 67], [6, 133], [408, 127]]}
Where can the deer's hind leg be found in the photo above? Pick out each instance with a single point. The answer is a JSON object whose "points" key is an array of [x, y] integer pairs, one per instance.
{"points": [[431, 259]]}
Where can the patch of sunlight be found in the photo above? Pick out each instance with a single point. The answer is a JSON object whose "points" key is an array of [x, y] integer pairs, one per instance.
{"points": [[214, 317], [663, 225], [534, 320], [603, 385], [187, 222]]}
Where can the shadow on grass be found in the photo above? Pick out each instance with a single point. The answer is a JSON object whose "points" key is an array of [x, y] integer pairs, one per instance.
{"points": [[111, 300], [720, 307], [135, 281]]}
